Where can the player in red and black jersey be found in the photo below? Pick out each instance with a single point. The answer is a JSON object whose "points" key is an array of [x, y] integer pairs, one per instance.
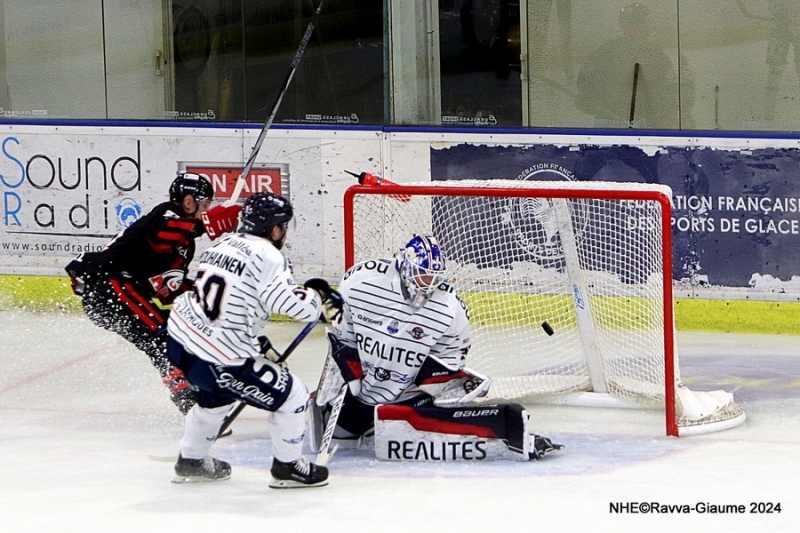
{"points": [[126, 285]]}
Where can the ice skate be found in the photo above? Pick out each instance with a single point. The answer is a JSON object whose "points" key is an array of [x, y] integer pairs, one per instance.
{"points": [[199, 470], [297, 474], [541, 446]]}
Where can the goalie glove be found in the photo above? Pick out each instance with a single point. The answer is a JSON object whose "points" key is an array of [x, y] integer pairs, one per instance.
{"points": [[220, 219], [332, 301], [450, 388]]}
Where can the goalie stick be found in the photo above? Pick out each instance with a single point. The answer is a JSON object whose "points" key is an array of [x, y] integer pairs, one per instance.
{"points": [[331, 390], [324, 455], [261, 136], [286, 353]]}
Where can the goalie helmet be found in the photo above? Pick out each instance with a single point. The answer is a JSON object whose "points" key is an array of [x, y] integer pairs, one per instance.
{"points": [[263, 211], [421, 264], [189, 183]]}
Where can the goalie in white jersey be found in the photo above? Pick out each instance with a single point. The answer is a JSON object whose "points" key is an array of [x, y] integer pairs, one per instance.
{"points": [[401, 345], [214, 339]]}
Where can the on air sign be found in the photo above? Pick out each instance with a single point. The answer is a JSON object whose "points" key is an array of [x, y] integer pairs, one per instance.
{"points": [[267, 177]]}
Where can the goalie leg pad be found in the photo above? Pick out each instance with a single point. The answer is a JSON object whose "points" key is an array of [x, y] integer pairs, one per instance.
{"points": [[429, 433]]}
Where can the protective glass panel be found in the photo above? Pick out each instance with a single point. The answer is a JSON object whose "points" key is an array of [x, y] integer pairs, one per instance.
{"points": [[591, 65], [480, 66]]}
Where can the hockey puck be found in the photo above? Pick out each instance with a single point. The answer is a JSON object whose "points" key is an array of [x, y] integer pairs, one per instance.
{"points": [[547, 328]]}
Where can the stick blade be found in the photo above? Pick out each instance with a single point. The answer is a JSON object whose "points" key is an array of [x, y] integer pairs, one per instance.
{"points": [[324, 455]]}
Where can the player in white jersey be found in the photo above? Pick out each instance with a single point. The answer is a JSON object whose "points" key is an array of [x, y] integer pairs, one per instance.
{"points": [[402, 340], [214, 338]]}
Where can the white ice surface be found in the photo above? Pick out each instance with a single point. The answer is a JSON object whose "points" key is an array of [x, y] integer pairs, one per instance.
{"points": [[88, 437]]}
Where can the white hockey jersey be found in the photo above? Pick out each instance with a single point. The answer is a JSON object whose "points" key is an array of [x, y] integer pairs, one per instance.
{"points": [[241, 280], [393, 338]]}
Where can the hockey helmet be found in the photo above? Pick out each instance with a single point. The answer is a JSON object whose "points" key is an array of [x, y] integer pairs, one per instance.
{"points": [[263, 211], [189, 183], [422, 267]]}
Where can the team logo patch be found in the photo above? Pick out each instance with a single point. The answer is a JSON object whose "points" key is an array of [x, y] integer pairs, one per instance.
{"points": [[381, 374], [369, 320], [532, 221], [393, 327], [128, 212], [418, 333], [169, 281]]}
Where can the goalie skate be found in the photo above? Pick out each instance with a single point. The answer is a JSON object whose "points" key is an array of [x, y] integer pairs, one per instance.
{"points": [[200, 470], [540, 446]]}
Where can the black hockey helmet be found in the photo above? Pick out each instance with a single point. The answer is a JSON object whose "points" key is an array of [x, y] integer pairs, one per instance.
{"points": [[189, 183], [264, 210]]}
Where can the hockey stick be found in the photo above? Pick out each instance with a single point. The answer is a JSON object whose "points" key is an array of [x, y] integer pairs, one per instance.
{"points": [[286, 353], [324, 455], [633, 94], [261, 136]]}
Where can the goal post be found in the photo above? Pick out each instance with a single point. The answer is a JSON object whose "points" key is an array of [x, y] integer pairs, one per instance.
{"points": [[592, 259]]}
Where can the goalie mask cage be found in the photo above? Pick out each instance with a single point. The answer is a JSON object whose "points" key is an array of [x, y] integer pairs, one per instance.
{"points": [[593, 259]]}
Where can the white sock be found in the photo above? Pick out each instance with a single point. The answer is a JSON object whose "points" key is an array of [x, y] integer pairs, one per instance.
{"points": [[287, 425], [200, 430]]}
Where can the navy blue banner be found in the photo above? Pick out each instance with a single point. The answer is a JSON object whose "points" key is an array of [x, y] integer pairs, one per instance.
{"points": [[736, 215]]}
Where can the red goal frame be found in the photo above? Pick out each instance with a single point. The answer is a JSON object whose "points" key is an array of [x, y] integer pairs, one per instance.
{"points": [[402, 192]]}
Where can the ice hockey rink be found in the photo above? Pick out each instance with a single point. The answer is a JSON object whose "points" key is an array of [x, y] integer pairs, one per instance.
{"points": [[88, 440]]}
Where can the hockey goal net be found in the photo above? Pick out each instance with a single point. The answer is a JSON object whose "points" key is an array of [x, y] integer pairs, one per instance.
{"points": [[591, 259]]}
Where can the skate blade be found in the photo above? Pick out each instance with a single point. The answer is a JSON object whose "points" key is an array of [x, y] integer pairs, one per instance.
{"points": [[291, 484], [196, 479]]}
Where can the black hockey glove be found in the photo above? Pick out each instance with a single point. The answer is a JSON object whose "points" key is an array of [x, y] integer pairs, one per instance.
{"points": [[264, 343], [319, 285], [267, 350], [78, 270], [332, 301], [332, 306]]}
